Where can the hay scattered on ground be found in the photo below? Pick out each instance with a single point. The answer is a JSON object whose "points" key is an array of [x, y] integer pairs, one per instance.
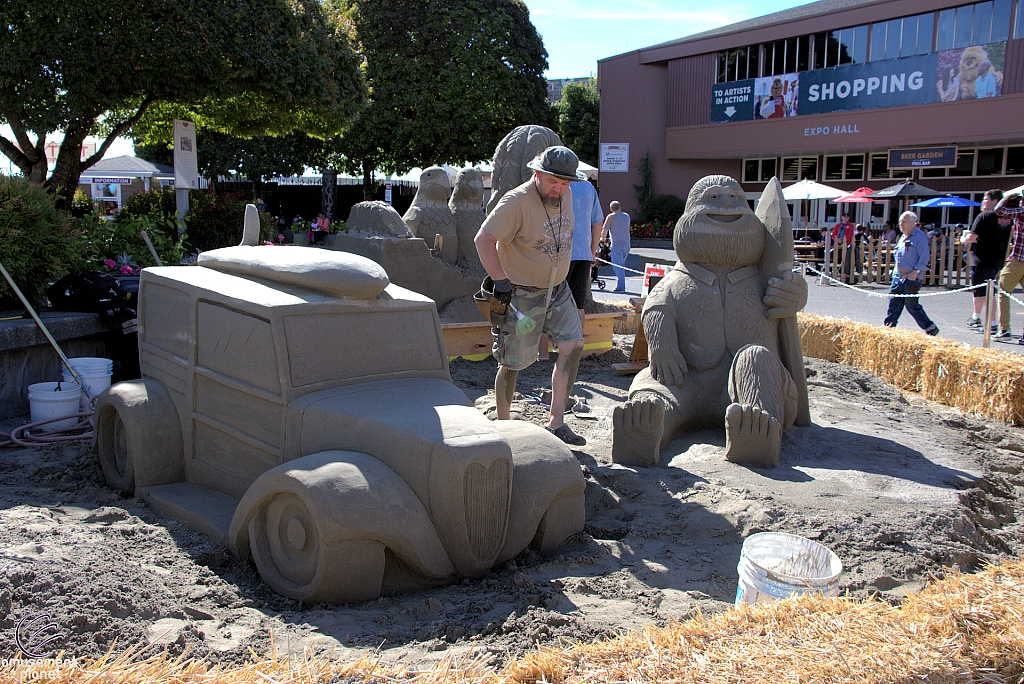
{"points": [[987, 382], [964, 628]]}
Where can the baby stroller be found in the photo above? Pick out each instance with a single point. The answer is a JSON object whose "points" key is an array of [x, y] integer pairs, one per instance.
{"points": [[604, 252]]}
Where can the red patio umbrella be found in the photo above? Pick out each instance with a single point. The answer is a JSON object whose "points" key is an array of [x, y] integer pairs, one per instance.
{"points": [[857, 195]]}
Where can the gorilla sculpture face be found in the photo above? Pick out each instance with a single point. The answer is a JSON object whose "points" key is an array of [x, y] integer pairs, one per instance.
{"points": [[718, 227]]}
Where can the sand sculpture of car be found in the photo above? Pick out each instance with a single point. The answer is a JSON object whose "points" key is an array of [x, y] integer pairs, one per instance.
{"points": [[298, 407]]}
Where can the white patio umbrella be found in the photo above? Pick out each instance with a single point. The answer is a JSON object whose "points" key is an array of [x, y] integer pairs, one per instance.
{"points": [[587, 169], [1019, 191], [809, 190]]}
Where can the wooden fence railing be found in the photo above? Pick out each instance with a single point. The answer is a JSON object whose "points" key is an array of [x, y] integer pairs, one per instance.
{"points": [[870, 261]]}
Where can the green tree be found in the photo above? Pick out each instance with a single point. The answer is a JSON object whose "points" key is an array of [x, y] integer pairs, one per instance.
{"points": [[220, 154], [578, 120], [96, 67], [448, 79], [644, 192]]}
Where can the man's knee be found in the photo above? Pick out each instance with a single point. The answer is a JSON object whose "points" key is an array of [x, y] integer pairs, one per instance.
{"points": [[570, 346]]}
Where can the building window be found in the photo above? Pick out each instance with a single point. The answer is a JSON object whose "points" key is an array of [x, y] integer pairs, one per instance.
{"points": [[848, 167], [1014, 161], [834, 168], [1018, 31], [854, 167], [738, 64], [759, 170], [964, 164], [880, 168], [990, 162], [902, 37], [799, 168], [977, 24]]}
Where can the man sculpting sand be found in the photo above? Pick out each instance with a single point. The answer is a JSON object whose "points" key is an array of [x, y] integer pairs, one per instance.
{"points": [[525, 245]]}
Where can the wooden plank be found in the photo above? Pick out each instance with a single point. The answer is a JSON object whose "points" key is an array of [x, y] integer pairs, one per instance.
{"points": [[467, 341], [473, 340]]}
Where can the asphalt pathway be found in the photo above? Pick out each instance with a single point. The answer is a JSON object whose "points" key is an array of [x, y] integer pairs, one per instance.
{"points": [[949, 310]]}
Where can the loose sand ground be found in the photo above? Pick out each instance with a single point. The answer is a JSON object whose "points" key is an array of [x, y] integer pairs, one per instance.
{"points": [[899, 488]]}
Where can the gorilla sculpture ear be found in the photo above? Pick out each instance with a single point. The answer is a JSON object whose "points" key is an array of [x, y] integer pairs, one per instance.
{"points": [[773, 212]]}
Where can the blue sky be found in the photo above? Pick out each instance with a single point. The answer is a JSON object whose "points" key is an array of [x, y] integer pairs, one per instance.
{"points": [[577, 33]]}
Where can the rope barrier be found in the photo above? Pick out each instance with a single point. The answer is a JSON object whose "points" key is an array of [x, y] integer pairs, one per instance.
{"points": [[1010, 296], [888, 295], [624, 268]]}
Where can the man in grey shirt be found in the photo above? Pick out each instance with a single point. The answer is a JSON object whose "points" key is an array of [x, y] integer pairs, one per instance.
{"points": [[616, 225], [912, 256]]}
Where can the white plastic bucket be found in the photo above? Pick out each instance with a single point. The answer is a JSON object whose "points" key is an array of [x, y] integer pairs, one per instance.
{"points": [[776, 565], [95, 373], [46, 401]]}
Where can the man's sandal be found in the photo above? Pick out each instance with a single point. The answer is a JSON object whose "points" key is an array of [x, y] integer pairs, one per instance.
{"points": [[566, 434]]}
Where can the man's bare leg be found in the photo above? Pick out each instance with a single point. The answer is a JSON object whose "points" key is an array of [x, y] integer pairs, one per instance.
{"points": [[567, 365], [505, 391], [576, 366]]}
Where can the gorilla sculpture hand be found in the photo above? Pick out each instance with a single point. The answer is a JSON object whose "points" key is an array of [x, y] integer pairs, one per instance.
{"points": [[785, 296]]}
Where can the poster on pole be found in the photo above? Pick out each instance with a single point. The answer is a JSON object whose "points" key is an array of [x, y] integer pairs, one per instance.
{"points": [[186, 161], [615, 157]]}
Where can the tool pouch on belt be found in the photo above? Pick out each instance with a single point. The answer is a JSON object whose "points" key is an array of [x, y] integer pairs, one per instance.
{"points": [[493, 310]]}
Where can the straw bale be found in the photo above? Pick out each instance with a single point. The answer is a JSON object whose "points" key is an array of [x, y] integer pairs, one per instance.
{"points": [[987, 382], [622, 326], [962, 628]]}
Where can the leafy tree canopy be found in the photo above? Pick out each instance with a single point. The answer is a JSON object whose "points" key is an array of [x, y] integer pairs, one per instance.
{"points": [[578, 114], [97, 67], [255, 158], [448, 79]]}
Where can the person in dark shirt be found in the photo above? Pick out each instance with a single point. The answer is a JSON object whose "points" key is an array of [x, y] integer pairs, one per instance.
{"points": [[987, 238]]}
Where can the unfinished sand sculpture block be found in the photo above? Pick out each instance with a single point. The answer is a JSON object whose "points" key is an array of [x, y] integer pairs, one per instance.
{"points": [[467, 207], [511, 155], [429, 214], [721, 329], [343, 475], [376, 218]]}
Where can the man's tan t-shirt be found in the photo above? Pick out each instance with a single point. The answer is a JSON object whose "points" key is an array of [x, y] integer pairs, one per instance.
{"points": [[531, 237]]}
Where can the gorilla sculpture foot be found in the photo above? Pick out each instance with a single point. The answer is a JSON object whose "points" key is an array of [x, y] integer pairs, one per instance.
{"points": [[637, 427], [752, 436]]}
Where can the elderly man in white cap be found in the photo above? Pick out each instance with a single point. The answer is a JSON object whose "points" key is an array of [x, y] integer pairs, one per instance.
{"points": [[525, 245]]}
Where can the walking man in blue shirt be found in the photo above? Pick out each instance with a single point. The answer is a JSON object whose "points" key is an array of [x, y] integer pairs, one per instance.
{"points": [[912, 256]]}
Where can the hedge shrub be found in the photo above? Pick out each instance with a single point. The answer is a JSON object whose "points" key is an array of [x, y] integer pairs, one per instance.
{"points": [[38, 243]]}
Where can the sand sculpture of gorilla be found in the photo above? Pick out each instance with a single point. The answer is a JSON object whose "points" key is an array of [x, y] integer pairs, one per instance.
{"points": [[721, 330]]}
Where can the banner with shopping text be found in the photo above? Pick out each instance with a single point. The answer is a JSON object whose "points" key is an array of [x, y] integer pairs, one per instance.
{"points": [[963, 73]]}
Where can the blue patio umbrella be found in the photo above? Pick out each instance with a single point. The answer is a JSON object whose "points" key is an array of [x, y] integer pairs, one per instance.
{"points": [[946, 201]]}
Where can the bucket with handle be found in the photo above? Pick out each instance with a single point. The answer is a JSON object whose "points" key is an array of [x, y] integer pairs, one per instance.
{"points": [[95, 373], [776, 565], [49, 400]]}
